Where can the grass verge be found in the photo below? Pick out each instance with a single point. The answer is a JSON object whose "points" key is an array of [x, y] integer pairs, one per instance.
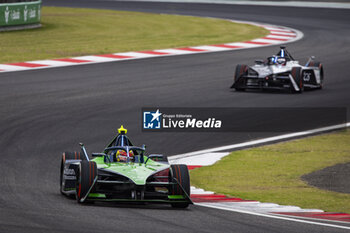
{"points": [[68, 32], [272, 173]]}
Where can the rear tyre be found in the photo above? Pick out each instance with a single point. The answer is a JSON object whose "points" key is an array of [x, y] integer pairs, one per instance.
{"points": [[298, 78], [86, 175], [181, 174], [240, 71], [320, 66]]}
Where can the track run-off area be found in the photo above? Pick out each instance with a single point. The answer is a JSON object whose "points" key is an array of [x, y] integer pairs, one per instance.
{"points": [[45, 112]]}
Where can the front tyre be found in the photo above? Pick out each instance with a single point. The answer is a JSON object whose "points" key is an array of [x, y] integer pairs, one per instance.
{"points": [[238, 82], [298, 79], [181, 174], [86, 175], [67, 156]]}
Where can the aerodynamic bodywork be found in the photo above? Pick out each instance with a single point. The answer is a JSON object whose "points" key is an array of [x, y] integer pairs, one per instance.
{"points": [[124, 173], [280, 71]]}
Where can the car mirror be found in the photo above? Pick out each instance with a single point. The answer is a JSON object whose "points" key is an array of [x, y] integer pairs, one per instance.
{"points": [[98, 154], [155, 157]]}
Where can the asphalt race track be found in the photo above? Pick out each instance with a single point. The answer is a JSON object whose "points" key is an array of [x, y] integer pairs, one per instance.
{"points": [[45, 112]]}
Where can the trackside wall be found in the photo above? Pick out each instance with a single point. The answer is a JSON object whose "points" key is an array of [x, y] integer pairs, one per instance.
{"points": [[20, 13]]}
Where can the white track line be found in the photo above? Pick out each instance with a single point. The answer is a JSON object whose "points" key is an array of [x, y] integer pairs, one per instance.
{"points": [[310, 218], [277, 37], [50, 63], [95, 58], [272, 216], [200, 160], [11, 67]]}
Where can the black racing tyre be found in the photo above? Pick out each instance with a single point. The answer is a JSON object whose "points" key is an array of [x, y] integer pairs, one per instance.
{"points": [[181, 174], [322, 75], [67, 156], [320, 66], [86, 175], [240, 70], [298, 78], [73, 155]]}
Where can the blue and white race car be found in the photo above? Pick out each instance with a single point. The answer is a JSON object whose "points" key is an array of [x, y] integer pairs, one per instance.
{"points": [[280, 71]]}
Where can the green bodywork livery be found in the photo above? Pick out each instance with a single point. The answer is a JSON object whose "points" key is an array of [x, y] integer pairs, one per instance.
{"points": [[137, 172]]}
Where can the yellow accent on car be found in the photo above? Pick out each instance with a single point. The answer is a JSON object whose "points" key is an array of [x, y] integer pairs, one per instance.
{"points": [[122, 130]]}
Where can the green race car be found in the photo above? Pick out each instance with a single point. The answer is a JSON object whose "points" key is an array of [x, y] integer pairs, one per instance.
{"points": [[124, 173]]}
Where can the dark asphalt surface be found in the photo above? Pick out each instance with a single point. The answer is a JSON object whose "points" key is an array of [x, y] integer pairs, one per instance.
{"points": [[335, 178], [44, 112]]}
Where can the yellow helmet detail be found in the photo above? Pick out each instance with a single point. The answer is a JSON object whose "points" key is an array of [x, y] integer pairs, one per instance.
{"points": [[121, 130]]}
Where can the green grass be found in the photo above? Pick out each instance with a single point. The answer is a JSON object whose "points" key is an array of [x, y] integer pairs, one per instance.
{"points": [[68, 32], [272, 173]]}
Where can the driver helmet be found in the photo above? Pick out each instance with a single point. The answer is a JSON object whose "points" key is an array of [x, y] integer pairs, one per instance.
{"points": [[123, 156], [273, 59], [277, 60]]}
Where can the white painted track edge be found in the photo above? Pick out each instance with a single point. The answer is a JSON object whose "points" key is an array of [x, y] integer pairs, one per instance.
{"points": [[273, 216]]}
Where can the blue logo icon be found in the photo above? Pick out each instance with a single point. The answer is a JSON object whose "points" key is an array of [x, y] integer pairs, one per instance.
{"points": [[151, 120]]}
